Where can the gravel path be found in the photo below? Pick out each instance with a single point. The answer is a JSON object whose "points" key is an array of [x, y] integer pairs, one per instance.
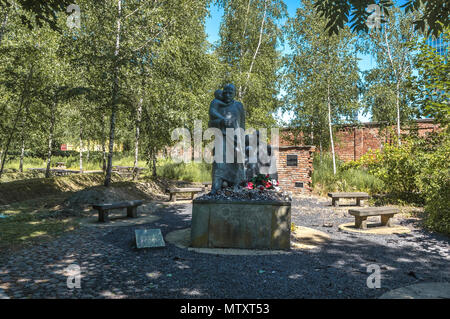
{"points": [[112, 268]]}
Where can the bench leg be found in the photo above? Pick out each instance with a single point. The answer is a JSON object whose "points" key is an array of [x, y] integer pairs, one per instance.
{"points": [[358, 202], [335, 202], [132, 212], [386, 220], [173, 197], [192, 195], [103, 216], [361, 222]]}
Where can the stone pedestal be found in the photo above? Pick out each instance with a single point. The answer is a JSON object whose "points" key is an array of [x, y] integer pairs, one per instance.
{"points": [[241, 224]]}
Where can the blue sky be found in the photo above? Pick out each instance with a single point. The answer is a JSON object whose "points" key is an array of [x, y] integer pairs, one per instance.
{"points": [[213, 25]]}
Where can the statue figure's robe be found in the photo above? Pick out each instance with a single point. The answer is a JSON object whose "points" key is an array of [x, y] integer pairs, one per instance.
{"points": [[234, 111]]}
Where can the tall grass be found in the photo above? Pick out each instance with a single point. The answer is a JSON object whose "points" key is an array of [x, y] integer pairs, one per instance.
{"points": [[73, 162], [191, 172], [349, 180]]}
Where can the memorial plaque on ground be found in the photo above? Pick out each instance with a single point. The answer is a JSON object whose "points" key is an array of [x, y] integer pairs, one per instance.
{"points": [[146, 238]]}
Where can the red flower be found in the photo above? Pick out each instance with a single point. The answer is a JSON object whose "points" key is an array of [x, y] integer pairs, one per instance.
{"points": [[268, 184], [261, 187], [249, 185]]}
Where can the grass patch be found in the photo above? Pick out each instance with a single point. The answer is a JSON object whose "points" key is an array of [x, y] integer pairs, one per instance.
{"points": [[33, 221], [72, 162], [349, 180], [190, 172], [22, 190]]}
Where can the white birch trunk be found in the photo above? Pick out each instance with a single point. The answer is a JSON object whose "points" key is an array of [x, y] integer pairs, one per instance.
{"points": [[114, 97], [331, 129], [137, 133], [81, 149], [398, 114]]}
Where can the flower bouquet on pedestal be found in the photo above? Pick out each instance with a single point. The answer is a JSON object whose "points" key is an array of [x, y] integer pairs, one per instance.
{"points": [[262, 182]]}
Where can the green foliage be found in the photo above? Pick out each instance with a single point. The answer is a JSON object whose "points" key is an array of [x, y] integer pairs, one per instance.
{"points": [[191, 172], [347, 179], [249, 57], [434, 182], [321, 72], [396, 166], [73, 161], [337, 13], [418, 170], [434, 80], [389, 88]]}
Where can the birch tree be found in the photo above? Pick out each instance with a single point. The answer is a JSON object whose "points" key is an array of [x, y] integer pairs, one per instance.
{"points": [[321, 77], [249, 36], [389, 93]]}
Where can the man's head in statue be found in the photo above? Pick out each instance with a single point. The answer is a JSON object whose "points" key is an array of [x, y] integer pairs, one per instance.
{"points": [[229, 91]]}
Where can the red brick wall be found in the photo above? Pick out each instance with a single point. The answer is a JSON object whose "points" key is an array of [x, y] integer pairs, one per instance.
{"points": [[351, 142], [288, 175]]}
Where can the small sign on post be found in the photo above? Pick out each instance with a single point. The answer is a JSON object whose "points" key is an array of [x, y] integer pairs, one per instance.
{"points": [[147, 238]]}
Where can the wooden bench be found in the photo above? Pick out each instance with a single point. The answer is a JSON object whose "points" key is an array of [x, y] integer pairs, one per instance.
{"points": [[174, 191], [358, 195], [130, 205], [361, 215]]}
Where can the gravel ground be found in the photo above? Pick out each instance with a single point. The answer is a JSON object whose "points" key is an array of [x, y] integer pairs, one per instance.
{"points": [[111, 267]]}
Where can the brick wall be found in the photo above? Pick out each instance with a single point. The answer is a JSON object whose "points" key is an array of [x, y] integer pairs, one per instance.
{"points": [[289, 175], [353, 141]]}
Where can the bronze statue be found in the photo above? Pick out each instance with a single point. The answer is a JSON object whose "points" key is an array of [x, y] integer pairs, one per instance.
{"points": [[225, 113]]}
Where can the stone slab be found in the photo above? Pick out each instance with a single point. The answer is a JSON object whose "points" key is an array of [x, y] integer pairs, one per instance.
{"points": [[373, 211], [149, 238], [242, 225], [349, 195], [432, 290], [375, 229], [301, 238]]}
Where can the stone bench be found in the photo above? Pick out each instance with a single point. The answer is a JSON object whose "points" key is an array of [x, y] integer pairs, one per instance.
{"points": [[361, 215], [130, 205], [60, 165], [207, 185], [127, 171], [174, 191], [358, 195]]}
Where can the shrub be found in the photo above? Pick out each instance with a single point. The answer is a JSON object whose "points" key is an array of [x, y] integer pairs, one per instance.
{"points": [[349, 177], [434, 183], [191, 172]]}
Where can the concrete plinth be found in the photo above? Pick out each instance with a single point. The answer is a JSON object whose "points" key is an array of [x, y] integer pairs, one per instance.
{"points": [[243, 224]]}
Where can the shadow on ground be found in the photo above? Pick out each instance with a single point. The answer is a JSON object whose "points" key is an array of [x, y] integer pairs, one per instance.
{"points": [[112, 267]]}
